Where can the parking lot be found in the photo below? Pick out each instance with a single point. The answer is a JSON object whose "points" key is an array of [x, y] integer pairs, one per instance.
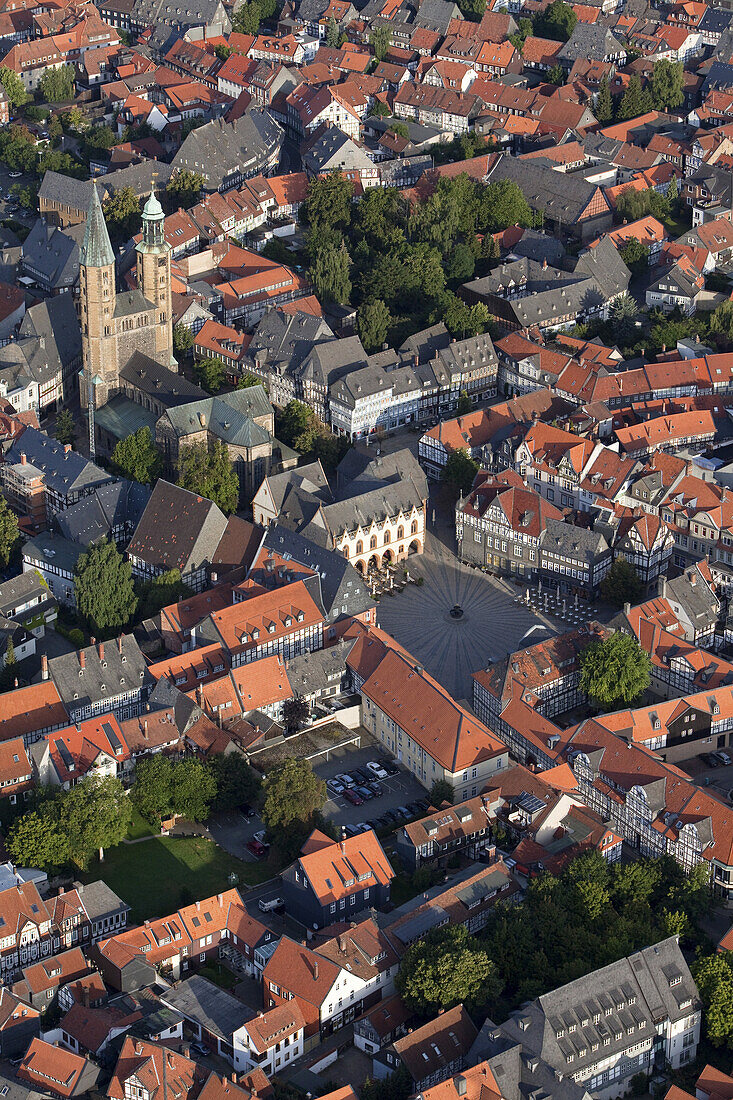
{"points": [[718, 781], [397, 790]]}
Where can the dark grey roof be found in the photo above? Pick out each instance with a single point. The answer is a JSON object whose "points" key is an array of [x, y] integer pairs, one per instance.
{"points": [[119, 505], [631, 994], [311, 478], [538, 246], [51, 549], [604, 264], [313, 672], [178, 530], [55, 322], [51, 255], [286, 338], [99, 900], [158, 382], [571, 541], [221, 149], [562, 195], [103, 678], [362, 473], [96, 250], [590, 41], [341, 585], [425, 343], [64, 471], [218, 1011], [20, 589], [334, 149], [720, 75], [55, 187], [436, 15], [362, 510], [229, 417], [138, 177], [331, 360]]}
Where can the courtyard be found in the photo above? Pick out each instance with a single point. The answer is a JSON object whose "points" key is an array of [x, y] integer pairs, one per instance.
{"points": [[452, 646]]}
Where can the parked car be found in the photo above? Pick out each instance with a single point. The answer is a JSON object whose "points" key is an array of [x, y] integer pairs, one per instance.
{"points": [[15, 175], [364, 793], [248, 812], [257, 848], [392, 817], [198, 1048], [723, 757], [354, 798], [414, 808], [423, 804], [377, 769], [360, 775], [260, 836], [346, 779], [404, 813], [352, 830], [364, 826], [390, 768], [269, 905], [709, 759], [374, 787], [335, 787]]}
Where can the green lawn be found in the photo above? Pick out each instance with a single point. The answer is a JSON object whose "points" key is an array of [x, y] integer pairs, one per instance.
{"points": [[139, 827], [155, 878]]}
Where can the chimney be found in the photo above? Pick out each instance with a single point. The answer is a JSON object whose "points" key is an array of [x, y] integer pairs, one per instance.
{"points": [[101, 651], [234, 1078], [82, 659], [92, 640], [315, 970], [342, 842], [44, 667], [23, 458], [662, 587], [67, 448], [627, 608], [119, 643], [200, 695], [145, 730], [220, 899], [85, 996]]}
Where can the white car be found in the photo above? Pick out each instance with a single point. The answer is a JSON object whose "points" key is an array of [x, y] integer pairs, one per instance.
{"points": [[346, 779], [267, 905], [260, 835], [377, 769]]}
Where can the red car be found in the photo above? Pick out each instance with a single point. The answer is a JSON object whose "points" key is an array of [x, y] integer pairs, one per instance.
{"points": [[257, 849], [354, 798]]}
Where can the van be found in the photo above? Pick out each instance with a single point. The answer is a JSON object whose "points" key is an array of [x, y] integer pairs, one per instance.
{"points": [[269, 905]]}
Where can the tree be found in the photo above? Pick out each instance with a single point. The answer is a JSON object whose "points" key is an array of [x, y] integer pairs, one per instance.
{"points": [[38, 840], [372, 323], [208, 472], [236, 783], [9, 534], [136, 457], [246, 19], [622, 584], [556, 21], [623, 314], [460, 470], [380, 40], [298, 426], [293, 793], [65, 430], [714, 979], [503, 204], [162, 591], [604, 103], [615, 671], [183, 189], [332, 34], [329, 274], [464, 404], [14, 87], [463, 320], [182, 340], [122, 214], [635, 100], [152, 791], [635, 255], [440, 792], [248, 380], [328, 202], [104, 591], [399, 129], [446, 968], [721, 324], [57, 85], [295, 714], [95, 814], [210, 372], [380, 110], [667, 84], [461, 263], [194, 789], [556, 75]]}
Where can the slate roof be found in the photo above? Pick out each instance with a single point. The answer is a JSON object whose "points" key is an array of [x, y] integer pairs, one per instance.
{"points": [[220, 149], [77, 194], [341, 585], [334, 149], [229, 417], [560, 194], [103, 677], [158, 382], [285, 338], [120, 504], [178, 530], [64, 471], [590, 42], [52, 254]]}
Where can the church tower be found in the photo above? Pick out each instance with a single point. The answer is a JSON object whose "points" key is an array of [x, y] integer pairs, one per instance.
{"points": [[97, 308], [154, 278]]}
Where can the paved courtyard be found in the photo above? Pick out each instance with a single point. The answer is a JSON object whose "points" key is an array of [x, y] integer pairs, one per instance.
{"points": [[452, 649]]}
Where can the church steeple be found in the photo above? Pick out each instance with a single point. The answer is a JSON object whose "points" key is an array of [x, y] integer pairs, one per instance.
{"points": [[96, 250], [154, 277]]}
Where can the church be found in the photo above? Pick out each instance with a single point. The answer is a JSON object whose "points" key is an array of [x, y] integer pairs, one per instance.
{"points": [[129, 375]]}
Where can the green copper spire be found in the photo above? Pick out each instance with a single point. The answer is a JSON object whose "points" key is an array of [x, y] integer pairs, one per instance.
{"points": [[96, 251]]}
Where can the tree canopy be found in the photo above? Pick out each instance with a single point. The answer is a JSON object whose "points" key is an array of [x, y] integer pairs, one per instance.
{"points": [[460, 470], [293, 793], [183, 189], [372, 323], [163, 787], [136, 457], [446, 968], [622, 584], [614, 672], [556, 21], [667, 85], [65, 429], [9, 533], [713, 976], [57, 85], [122, 214], [328, 202], [14, 87], [208, 472], [210, 373], [105, 595]]}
